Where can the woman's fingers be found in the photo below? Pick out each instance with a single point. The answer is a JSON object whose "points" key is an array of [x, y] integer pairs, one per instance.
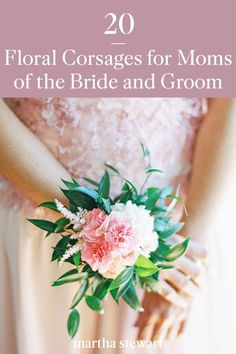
{"points": [[144, 332], [179, 281], [161, 328], [194, 270], [182, 327], [173, 330], [176, 326], [146, 327], [168, 293]]}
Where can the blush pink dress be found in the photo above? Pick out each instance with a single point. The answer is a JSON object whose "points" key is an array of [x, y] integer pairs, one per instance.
{"points": [[83, 134]]}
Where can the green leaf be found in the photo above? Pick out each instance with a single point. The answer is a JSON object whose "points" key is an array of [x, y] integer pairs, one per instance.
{"points": [[94, 303], [160, 225], [126, 187], [100, 286], [146, 153], [144, 262], [126, 193], [88, 191], [145, 267], [74, 180], [104, 186], [166, 191], [61, 223], [170, 230], [97, 280], [91, 181], [70, 272], [131, 298], [87, 268], [175, 252], [43, 224], [77, 259], [70, 278], [60, 248], [146, 272], [160, 210], [175, 198], [113, 293], [117, 198], [79, 199], [151, 283], [121, 290], [70, 185], [124, 197], [153, 170], [179, 200], [112, 168], [123, 278], [73, 323], [80, 293], [106, 203], [156, 256], [101, 289], [152, 190], [133, 188], [153, 198], [164, 266], [49, 205]]}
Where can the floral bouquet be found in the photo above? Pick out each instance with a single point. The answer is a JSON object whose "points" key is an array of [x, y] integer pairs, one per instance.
{"points": [[113, 245]]}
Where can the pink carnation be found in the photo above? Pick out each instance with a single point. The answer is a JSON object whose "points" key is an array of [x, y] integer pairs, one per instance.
{"points": [[97, 255], [95, 225], [120, 235]]}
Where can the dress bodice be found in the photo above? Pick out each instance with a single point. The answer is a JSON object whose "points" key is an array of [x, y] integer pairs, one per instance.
{"points": [[85, 133]]}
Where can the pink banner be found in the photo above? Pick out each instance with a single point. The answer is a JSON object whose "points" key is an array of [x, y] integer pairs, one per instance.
{"points": [[117, 48]]}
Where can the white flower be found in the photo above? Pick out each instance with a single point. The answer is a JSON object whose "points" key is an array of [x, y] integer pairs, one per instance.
{"points": [[77, 219], [142, 224], [71, 251]]}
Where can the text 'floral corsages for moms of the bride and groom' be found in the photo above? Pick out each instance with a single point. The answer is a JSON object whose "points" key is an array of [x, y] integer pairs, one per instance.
{"points": [[114, 245]]}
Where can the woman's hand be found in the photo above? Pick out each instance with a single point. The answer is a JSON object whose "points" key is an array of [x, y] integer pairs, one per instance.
{"points": [[161, 319], [166, 309]]}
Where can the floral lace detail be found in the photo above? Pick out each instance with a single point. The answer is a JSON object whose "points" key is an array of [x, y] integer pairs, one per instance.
{"points": [[84, 133]]}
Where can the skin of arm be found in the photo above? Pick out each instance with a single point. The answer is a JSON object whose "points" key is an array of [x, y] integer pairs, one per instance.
{"points": [[212, 183], [26, 162]]}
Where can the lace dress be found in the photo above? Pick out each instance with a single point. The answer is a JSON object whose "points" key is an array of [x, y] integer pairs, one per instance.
{"points": [[83, 134]]}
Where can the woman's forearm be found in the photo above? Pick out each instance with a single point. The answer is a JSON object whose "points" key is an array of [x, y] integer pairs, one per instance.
{"points": [[26, 162], [212, 184]]}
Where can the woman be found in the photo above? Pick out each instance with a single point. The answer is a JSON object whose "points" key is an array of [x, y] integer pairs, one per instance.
{"points": [[44, 140]]}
